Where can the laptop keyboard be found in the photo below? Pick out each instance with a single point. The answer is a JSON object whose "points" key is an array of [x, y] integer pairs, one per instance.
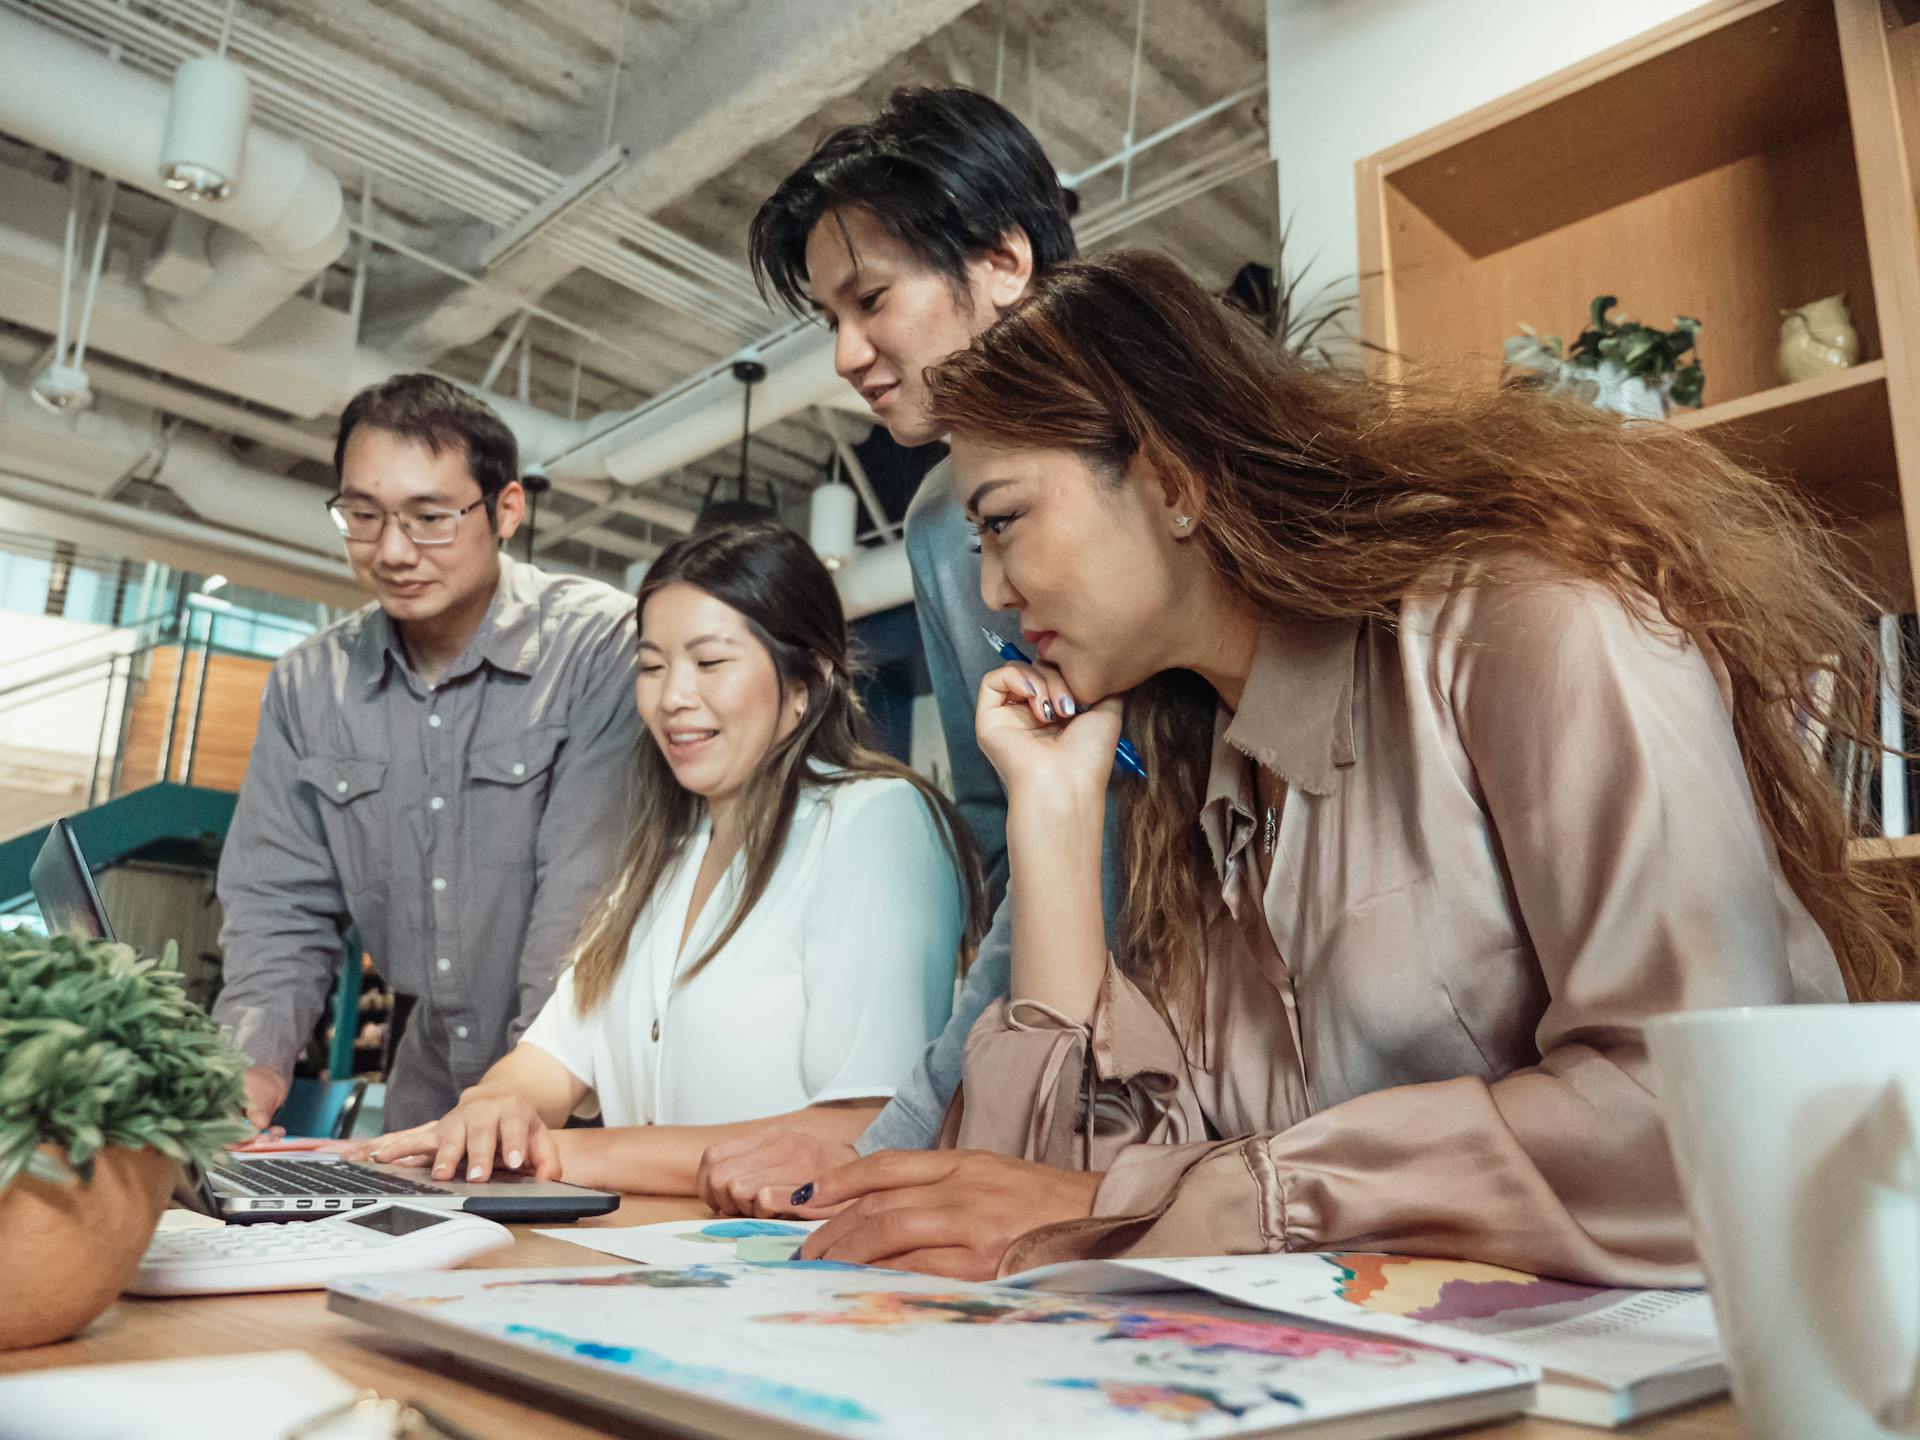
{"points": [[310, 1177]]}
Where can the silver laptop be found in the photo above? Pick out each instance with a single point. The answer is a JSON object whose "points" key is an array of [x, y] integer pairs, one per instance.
{"points": [[302, 1187]]}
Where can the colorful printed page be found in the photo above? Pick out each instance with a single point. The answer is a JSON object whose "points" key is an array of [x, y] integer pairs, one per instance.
{"points": [[690, 1242], [1612, 1338], [816, 1348]]}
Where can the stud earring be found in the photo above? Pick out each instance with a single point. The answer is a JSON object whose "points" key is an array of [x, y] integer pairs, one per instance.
{"points": [[1182, 522]]}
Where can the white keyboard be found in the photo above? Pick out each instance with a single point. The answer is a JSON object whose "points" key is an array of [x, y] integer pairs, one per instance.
{"points": [[306, 1254]]}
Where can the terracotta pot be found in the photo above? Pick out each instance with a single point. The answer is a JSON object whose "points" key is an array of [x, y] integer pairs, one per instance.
{"points": [[66, 1252]]}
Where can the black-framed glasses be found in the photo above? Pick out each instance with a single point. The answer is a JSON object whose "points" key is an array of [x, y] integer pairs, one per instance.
{"points": [[362, 521]]}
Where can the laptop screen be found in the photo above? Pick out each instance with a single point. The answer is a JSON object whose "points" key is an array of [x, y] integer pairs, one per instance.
{"points": [[63, 887]]}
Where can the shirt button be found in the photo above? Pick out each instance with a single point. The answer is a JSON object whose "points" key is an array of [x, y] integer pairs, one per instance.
{"points": [[444, 963], [519, 769], [341, 787], [434, 721], [437, 803], [656, 1029], [460, 1032], [438, 883]]}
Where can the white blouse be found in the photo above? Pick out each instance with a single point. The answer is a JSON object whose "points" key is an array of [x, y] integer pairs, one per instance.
{"points": [[829, 990]]}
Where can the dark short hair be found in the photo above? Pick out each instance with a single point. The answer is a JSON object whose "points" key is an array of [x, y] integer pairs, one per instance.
{"points": [[948, 173], [440, 415]]}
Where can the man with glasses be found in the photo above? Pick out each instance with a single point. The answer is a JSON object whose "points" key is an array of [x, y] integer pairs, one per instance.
{"points": [[450, 768]]}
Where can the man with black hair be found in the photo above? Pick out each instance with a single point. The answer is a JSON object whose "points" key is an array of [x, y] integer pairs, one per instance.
{"points": [[449, 768], [908, 235]]}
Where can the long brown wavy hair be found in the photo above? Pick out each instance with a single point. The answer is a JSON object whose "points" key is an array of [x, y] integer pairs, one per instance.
{"points": [[778, 585], [1331, 494]]}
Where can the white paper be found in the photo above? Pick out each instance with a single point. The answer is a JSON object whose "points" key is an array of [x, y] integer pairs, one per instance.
{"points": [[691, 1242], [211, 1397], [1605, 1337]]}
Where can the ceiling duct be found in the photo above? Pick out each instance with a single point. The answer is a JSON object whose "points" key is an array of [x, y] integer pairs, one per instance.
{"points": [[283, 222]]}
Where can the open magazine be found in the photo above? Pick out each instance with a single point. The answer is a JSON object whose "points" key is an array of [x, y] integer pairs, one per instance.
{"points": [[1608, 1356], [808, 1349]]}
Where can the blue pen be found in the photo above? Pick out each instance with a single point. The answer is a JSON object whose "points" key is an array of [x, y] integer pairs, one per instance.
{"points": [[1124, 755]]}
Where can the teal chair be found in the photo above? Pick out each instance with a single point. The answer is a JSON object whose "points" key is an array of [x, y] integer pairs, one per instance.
{"points": [[322, 1109]]}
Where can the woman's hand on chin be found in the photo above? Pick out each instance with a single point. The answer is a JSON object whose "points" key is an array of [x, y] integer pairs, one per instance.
{"points": [[1040, 740], [944, 1212]]}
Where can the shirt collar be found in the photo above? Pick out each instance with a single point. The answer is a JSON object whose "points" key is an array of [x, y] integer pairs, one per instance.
{"points": [[1295, 718], [508, 638]]}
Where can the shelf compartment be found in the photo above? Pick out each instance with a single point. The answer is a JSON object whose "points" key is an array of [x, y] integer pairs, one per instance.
{"points": [[1694, 97], [1831, 437]]}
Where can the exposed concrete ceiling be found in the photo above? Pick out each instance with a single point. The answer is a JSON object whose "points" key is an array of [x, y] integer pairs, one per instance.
{"points": [[464, 115]]}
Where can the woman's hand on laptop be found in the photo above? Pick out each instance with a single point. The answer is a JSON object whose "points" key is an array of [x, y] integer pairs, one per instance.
{"points": [[487, 1126]]}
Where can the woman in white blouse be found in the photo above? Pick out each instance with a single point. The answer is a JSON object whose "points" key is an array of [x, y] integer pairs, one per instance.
{"points": [[782, 940]]}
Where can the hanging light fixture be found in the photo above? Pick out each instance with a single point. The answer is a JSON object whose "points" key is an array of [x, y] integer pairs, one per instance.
{"points": [[739, 510], [206, 128], [830, 520]]}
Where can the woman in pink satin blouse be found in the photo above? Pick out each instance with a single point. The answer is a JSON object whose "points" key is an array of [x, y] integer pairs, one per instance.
{"points": [[1470, 728]]}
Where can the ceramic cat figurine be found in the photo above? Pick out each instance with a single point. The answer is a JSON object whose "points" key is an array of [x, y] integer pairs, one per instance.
{"points": [[1817, 339]]}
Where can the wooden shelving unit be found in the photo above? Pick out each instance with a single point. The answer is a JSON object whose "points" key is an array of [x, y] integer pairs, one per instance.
{"points": [[1907, 847], [1748, 157]]}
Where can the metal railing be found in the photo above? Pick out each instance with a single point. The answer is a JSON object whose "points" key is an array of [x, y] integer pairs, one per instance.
{"points": [[117, 674]]}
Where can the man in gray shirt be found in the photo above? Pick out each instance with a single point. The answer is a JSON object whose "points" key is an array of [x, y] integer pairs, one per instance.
{"points": [[450, 768], [908, 235]]}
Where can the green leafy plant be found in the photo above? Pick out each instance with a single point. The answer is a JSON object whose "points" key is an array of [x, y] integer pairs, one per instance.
{"points": [[100, 1047], [1295, 319], [1641, 349], [1636, 350]]}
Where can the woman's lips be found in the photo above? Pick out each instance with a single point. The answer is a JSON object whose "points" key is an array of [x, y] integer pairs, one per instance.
{"points": [[683, 745], [1040, 640]]}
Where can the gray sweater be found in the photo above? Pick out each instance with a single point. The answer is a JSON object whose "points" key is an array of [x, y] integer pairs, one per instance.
{"points": [[947, 603]]}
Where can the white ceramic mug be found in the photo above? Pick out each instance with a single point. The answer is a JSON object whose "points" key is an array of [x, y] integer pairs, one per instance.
{"points": [[1797, 1132]]}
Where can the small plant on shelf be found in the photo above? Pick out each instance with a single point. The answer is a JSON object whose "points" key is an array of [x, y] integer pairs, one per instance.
{"points": [[1615, 364]]}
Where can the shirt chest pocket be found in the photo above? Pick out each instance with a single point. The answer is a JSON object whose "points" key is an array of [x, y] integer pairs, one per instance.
{"points": [[508, 782], [354, 815]]}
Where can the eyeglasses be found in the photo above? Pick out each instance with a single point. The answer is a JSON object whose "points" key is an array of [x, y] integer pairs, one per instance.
{"points": [[362, 522]]}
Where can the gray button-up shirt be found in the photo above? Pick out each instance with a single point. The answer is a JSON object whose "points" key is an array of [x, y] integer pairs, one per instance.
{"points": [[465, 827]]}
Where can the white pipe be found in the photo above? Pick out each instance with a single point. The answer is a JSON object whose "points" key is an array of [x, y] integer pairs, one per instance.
{"points": [[287, 210], [878, 579], [222, 489], [185, 544], [692, 422]]}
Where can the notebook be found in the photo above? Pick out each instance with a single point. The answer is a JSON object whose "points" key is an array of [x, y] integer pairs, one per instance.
{"points": [[812, 1348]]}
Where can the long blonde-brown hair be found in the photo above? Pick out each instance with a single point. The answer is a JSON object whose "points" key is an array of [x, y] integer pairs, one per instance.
{"points": [[1332, 494], [778, 585]]}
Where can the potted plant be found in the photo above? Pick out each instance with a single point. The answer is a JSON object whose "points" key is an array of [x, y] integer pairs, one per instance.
{"points": [[109, 1079], [1618, 365]]}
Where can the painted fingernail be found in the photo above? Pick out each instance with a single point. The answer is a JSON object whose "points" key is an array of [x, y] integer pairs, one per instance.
{"points": [[513, 1159], [1067, 706], [1046, 710], [474, 1173], [802, 1195]]}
